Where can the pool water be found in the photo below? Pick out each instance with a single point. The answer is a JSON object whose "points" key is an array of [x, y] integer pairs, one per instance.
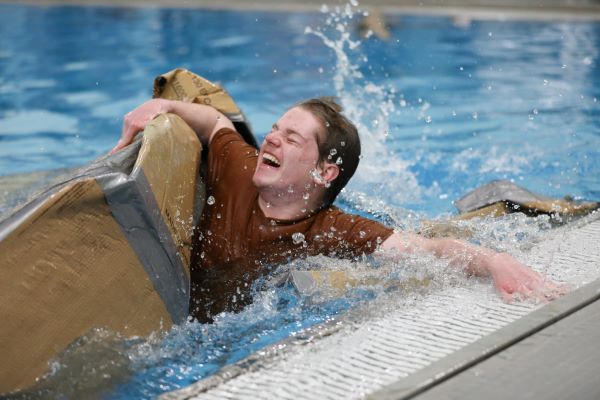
{"points": [[443, 107]]}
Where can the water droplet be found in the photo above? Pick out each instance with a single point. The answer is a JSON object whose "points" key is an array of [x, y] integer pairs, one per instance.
{"points": [[210, 200], [474, 115], [332, 152], [306, 196], [327, 124], [428, 119], [338, 161], [268, 205], [546, 82], [362, 234], [342, 144], [297, 238], [218, 215], [402, 103]]}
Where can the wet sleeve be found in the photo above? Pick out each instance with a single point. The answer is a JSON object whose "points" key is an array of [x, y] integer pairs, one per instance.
{"points": [[350, 236], [229, 156]]}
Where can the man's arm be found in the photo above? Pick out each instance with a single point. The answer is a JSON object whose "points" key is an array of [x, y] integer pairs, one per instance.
{"points": [[511, 278], [204, 120]]}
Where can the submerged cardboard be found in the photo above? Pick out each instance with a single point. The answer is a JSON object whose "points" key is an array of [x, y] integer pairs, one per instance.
{"points": [[518, 199], [335, 283]]}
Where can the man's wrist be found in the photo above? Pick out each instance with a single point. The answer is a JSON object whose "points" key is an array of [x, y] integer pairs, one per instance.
{"points": [[165, 106]]}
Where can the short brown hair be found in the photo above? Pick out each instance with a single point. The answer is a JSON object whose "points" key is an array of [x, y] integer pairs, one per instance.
{"points": [[338, 143]]}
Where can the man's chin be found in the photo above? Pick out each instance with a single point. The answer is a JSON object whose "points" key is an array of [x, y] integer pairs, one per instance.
{"points": [[260, 181]]}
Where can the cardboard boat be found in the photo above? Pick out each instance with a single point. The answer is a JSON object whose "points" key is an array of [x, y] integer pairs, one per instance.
{"points": [[109, 247]]}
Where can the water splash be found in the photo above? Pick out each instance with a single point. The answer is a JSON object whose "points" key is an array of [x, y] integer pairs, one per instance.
{"points": [[369, 105]]}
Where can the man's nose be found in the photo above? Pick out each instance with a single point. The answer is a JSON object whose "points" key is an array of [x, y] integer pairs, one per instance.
{"points": [[273, 138]]}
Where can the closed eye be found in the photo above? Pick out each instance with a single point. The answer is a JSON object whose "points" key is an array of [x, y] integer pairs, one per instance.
{"points": [[293, 137]]}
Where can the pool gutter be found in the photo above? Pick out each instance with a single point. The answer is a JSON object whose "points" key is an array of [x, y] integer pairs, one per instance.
{"points": [[527, 338]]}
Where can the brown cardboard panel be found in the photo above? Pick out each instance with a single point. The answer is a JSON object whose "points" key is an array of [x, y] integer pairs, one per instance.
{"points": [[169, 158], [64, 270], [181, 84]]}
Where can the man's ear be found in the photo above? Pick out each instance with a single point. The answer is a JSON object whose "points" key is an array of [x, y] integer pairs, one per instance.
{"points": [[330, 172]]}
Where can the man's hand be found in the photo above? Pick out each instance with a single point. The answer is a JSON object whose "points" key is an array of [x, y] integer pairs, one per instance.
{"points": [[135, 121], [515, 281], [206, 121]]}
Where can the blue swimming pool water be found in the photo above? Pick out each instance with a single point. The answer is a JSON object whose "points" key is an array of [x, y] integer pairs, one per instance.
{"points": [[443, 107], [514, 100]]}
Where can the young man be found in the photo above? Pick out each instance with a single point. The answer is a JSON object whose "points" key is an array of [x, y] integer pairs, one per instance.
{"points": [[269, 207]]}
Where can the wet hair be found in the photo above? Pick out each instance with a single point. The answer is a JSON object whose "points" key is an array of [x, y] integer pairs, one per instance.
{"points": [[338, 142]]}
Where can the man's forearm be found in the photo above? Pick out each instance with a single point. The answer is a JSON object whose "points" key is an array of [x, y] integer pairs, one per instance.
{"points": [[474, 259], [511, 278], [204, 120]]}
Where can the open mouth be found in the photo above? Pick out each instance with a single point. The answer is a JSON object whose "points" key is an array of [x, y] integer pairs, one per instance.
{"points": [[271, 160]]}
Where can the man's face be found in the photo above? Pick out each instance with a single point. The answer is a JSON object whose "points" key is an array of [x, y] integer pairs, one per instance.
{"points": [[288, 154]]}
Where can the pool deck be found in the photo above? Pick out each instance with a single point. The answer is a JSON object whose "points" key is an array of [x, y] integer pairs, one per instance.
{"points": [[475, 9]]}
